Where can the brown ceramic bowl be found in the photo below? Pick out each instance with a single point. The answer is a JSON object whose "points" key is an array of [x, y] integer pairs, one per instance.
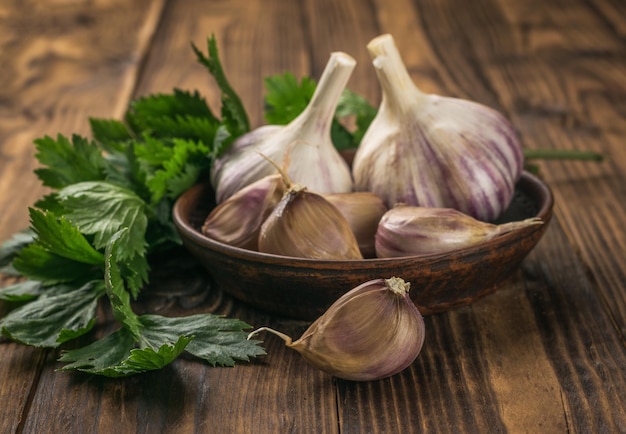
{"points": [[305, 288]]}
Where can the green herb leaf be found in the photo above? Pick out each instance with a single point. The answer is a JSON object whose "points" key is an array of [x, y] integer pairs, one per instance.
{"points": [[12, 247], [179, 171], [23, 291], [101, 209], [353, 104], [37, 263], [234, 115], [286, 98], [181, 114], [60, 237], [116, 356], [68, 162], [117, 294], [218, 340], [59, 313], [110, 133], [59, 252]]}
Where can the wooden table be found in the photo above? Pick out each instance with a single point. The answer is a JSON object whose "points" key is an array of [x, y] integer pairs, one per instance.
{"points": [[544, 354]]}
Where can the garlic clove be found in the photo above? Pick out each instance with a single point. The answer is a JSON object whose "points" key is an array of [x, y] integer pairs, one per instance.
{"points": [[434, 151], [411, 231], [314, 161], [237, 221], [306, 225], [363, 210], [372, 332]]}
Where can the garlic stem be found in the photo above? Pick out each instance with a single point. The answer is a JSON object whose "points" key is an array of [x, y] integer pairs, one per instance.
{"points": [[318, 114], [397, 285], [399, 90], [283, 336]]}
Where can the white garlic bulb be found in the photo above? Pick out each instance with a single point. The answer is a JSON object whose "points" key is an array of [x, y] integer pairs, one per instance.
{"points": [[304, 144], [434, 151]]}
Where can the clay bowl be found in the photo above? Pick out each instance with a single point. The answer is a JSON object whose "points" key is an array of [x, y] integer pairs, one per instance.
{"points": [[305, 288]]}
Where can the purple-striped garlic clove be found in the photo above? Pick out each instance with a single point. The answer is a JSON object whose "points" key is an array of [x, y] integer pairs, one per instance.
{"points": [[412, 231], [372, 332], [434, 151], [305, 225], [237, 221]]}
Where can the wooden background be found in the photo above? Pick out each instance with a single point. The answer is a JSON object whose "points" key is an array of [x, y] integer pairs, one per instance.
{"points": [[545, 354]]}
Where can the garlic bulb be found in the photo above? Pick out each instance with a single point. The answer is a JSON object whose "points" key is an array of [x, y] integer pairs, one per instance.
{"points": [[409, 231], [305, 225], [371, 332], [363, 210], [313, 159], [434, 151], [237, 221]]}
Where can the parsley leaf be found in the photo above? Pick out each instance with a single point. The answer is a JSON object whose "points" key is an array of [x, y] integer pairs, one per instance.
{"points": [[58, 253], [176, 166], [68, 162], [353, 104], [218, 340], [61, 313], [12, 247], [285, 98], [181, 114], [111, 133], [117, 294], [116, 356], [234, 117], [59, 236], [102, 209], [23, 291]]}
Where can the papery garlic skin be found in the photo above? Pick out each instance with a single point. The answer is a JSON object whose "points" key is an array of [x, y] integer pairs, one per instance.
{"points": [[363, 210], [237, 221], [372, 332], [434, 151], [412, 231], [304, 146], [305, 225]]}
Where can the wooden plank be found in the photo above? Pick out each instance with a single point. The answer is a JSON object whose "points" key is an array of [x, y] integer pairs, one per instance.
{"points": [[61, 62]]}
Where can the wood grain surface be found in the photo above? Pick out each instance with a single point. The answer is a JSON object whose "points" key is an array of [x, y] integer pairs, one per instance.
{"points": [[544, 354]]}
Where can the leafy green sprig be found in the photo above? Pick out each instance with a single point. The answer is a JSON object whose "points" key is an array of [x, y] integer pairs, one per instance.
{"points": [[91, 239]]}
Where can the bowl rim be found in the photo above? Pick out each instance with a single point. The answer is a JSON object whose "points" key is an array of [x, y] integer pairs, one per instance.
{"points": [[187, 202]]}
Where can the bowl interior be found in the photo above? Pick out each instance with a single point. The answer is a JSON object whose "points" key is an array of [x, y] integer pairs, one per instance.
{"points": [[304, 288]]}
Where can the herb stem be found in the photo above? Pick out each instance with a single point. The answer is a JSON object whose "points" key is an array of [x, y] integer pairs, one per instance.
{"points": [[562, 154]]}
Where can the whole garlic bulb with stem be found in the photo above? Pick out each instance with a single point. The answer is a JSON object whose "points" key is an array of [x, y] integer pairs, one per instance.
{"points": [[237, 221], [314, 161], [372, 332], [434, 151], [413, 231]]}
